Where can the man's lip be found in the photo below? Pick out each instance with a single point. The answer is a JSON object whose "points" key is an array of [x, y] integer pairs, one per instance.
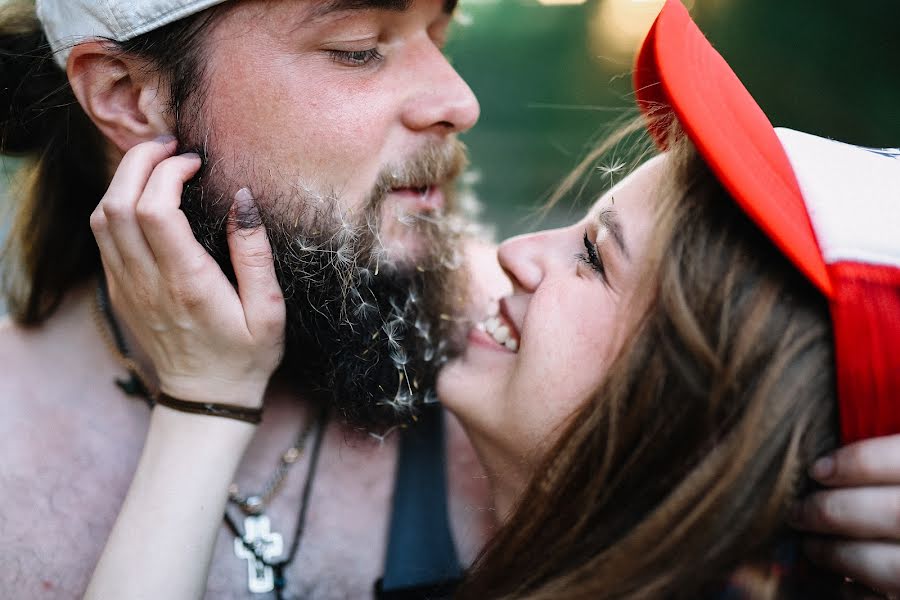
{"points": [[421, 199]]}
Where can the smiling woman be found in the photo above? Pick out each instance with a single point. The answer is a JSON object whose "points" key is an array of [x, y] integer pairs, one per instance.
{"points": [[577, 294], [685, 352], [618, 437]]}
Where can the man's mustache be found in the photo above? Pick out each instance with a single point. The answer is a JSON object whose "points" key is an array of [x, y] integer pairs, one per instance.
{"points": [[437, 164]]}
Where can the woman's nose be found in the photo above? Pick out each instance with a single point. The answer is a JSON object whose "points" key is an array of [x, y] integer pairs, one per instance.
{"points": [[522, 258]]}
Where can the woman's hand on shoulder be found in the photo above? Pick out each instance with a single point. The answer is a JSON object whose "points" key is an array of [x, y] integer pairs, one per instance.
{"points": [[858, 518], [208, 340]]}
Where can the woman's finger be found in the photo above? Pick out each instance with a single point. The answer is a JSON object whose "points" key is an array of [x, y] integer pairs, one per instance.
{"points": [[163, 224], [254, 268], [121, 198], [870, 462], [108, 251], [860, 513], [138, 163], [874, 564]]}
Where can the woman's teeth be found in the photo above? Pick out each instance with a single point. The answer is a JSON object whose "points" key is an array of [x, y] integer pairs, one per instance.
{"points": [[501, 333]]}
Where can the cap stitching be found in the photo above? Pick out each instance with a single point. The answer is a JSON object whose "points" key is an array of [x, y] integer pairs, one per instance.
{"points": [[113, 16], [167, 17]]}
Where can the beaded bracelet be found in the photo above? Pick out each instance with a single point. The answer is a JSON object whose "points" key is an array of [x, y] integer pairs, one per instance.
{"points": [[228, 411]]}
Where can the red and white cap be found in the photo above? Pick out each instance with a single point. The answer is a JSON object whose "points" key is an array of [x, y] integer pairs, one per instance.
{"points": [[832, 208]]}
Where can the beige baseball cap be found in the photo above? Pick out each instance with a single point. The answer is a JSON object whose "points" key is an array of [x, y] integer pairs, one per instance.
{"points": [[68, 23]]}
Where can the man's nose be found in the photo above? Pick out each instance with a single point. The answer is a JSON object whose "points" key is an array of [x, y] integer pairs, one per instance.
{"points": [[439, 100]]}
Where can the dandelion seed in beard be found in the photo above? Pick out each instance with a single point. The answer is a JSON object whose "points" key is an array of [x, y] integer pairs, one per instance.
{"points": [[365, 329]]}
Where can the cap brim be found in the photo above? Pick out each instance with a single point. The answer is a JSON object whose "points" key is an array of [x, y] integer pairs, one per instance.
{"points": [[679, 70]]}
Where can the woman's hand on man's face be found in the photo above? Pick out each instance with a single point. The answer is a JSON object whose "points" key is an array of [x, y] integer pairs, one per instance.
{"points": [[859, 517], [208, 341]]}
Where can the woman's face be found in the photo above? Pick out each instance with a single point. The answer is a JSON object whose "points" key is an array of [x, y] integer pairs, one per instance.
{"points": [[548, 348]]}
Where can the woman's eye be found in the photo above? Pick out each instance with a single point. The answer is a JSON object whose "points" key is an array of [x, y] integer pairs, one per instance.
{"points": [[591, 256], [355, 58]]}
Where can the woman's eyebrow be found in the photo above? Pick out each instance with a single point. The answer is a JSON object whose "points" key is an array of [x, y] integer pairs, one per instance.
{"points": [[609, 220]]}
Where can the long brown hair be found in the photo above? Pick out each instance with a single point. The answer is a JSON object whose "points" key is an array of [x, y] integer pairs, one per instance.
{"points": [[50, 248], [682, 468]]}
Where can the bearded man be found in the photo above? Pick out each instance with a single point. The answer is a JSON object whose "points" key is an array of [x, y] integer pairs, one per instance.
{"points": [[331, 122]]}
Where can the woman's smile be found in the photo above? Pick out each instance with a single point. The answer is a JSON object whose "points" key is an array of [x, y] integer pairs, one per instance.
{"points": [[497, 332]]}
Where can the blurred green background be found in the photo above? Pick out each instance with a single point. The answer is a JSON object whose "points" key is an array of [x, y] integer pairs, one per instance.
{"points": [[553, 75]]}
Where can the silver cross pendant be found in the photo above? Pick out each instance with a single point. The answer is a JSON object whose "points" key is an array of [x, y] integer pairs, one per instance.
{"points": [[269, 545]]}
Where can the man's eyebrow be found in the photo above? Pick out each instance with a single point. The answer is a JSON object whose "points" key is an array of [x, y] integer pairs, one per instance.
{"points": [[610, 220], [322, 9]]}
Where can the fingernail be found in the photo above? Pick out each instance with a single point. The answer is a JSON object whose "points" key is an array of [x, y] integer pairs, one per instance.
{"points": [[191, 155], [823, 468], [246, 212], [165, 139]]}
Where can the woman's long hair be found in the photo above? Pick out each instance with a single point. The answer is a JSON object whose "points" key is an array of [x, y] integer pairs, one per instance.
{"points": [[682, 468]]}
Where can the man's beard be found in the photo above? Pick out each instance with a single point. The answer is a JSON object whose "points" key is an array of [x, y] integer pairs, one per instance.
{"points": [[366, 331]]}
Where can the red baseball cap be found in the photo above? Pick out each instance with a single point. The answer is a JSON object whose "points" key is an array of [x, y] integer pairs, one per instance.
{"points": [[833, 209]]}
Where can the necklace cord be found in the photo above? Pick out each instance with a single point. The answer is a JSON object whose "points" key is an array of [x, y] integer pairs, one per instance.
{"points": [[279, 566], [139, 383], [254, 503]]}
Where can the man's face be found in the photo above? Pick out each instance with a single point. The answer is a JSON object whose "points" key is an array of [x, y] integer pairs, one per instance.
{"points": [[341, 116], [324, 94]]}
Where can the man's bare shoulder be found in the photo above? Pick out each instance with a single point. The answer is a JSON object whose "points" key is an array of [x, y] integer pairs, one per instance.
{"points": [[24, 360], [25, 351], [25, 381], [57, 384], [14, 347], [27, 473], [69, 447], [60, 352]]}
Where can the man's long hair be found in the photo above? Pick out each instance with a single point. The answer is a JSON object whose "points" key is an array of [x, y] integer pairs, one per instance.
{"points": [[367, 328], [679, 473], [51, 249]]}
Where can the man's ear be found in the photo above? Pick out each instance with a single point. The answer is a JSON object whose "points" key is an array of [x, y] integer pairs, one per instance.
{"points": [[123, 99]]}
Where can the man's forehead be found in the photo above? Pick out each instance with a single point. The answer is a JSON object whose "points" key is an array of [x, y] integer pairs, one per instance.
{"points": [[326, 7]]}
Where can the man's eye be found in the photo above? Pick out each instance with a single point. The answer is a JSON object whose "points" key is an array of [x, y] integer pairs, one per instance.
{"points": [[355, 58]]}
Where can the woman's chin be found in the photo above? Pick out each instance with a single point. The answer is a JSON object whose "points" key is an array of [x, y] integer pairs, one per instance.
{"points": [[466, 390], [450, 386]]}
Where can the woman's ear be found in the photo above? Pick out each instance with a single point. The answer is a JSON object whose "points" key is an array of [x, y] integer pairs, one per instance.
{"points": [[121, 96]]}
